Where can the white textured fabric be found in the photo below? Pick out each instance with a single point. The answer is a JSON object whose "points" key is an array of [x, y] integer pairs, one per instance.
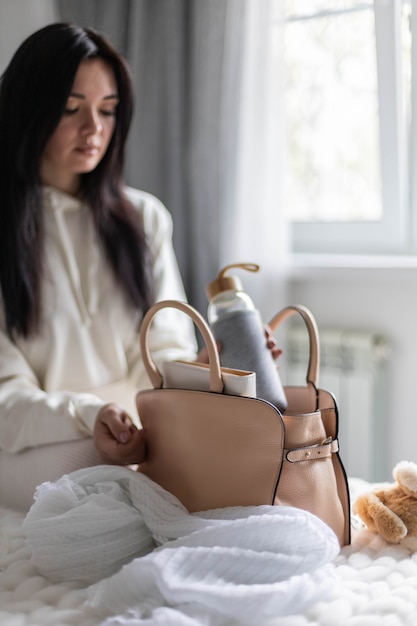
{"points": [[241, 563], [376, 584], [21, 473]]}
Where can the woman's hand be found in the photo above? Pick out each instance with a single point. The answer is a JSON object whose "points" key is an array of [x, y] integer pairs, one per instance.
{"points": [[116, 438], [271, 343]]}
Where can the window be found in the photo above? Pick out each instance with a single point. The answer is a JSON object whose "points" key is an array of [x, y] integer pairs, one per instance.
{"points": [[347, 102]]}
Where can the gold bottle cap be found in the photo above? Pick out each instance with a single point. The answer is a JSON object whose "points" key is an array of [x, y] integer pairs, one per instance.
{"points": [[225, 283]]}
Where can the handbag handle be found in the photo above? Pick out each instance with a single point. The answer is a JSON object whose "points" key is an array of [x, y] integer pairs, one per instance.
{"points": [[216, 381], [313, 333]]}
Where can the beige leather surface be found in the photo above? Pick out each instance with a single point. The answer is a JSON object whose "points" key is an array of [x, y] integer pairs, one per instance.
{"points": [[316, 484], [214, 450]]}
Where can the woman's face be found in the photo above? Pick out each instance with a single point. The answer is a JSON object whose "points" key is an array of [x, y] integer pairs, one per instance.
{"points": [[84, 132]]}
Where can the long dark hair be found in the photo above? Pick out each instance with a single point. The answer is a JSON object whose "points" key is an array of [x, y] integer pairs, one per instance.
{"points": [[33, 94]]}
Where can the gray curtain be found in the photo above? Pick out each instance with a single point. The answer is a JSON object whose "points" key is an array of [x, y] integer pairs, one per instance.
{"points": [[181, 147]]}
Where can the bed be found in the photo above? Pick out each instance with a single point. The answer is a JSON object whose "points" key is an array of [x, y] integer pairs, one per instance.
{"points": [[374, 584]]}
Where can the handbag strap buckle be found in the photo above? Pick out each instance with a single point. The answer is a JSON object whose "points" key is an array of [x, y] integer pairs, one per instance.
{"points": [[311, 453]]}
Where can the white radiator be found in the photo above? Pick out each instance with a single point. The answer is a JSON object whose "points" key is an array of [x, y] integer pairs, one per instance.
{"points": [[353, 367]]}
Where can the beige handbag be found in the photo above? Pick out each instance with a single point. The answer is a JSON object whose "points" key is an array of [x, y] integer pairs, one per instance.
{"points": [[213, 450]]}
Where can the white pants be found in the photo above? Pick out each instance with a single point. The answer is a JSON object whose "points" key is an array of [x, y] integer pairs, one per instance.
{"points": [[21, 473]]}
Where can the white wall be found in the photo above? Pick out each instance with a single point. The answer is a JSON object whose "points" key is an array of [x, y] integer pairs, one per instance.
{"points": [[18, 19], [383, 300]]}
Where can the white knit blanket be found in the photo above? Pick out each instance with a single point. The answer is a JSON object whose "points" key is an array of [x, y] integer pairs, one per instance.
{"points": [[241, 565], [376, 584]]}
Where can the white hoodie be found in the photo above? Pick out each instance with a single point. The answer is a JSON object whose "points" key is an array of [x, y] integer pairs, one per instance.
{"points": [[87, 353]]}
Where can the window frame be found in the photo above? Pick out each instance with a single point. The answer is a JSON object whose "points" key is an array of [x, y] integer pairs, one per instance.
{"points": [[391, 234]]}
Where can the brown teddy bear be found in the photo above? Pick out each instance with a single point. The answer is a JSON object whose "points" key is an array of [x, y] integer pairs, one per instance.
{"points": [[392, 511]]}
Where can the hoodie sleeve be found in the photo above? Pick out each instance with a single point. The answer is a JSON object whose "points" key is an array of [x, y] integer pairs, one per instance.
{"points": [[29, 416], [171, 335]]}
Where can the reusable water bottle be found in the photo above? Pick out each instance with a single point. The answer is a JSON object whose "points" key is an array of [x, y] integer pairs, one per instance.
{"points": [[237, 324]]}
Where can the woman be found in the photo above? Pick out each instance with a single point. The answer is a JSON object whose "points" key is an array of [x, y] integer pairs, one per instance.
{"points": [[81, 259]]}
